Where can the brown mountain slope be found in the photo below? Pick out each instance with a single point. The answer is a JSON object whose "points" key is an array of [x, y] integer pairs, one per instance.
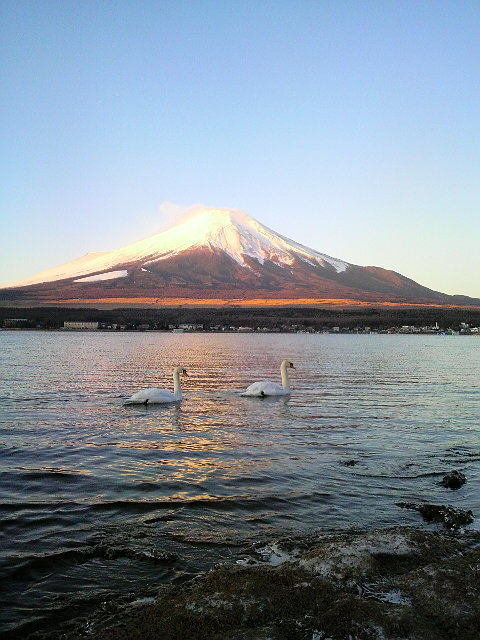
{"points": [[206, 273]]}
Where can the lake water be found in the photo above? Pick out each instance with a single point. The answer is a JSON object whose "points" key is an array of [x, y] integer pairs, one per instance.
{"points": [[98, 499]]}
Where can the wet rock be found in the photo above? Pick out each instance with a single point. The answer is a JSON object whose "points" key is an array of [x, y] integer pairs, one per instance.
{"points": [[449, 516], [406, 583], [448, 593], [349, 463], [454, 480], [351, 559], [163, 556]]}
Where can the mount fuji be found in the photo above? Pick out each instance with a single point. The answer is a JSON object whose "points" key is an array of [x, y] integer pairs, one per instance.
{"points": [[219, 255]]}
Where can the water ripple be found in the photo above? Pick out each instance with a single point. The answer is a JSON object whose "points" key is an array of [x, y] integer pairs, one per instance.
{"points": [[95, 494]]}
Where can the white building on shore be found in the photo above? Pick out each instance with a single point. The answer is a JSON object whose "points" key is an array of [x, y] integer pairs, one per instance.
{"points": [[80, 325]]}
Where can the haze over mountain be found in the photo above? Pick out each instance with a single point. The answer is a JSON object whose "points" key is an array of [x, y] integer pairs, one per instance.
{"points": [[219, 254]]}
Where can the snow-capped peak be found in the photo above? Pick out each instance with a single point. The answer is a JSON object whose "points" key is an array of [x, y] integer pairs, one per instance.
{"points": [[227, 230], [236, 234]]}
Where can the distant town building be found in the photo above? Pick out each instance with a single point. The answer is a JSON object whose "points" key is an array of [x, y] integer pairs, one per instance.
{"points": [[407, 328], [15, 322], [80, 325], [245, 329]]}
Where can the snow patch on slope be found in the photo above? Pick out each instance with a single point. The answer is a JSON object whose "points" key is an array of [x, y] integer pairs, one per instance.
{"points": [[110, 275]]}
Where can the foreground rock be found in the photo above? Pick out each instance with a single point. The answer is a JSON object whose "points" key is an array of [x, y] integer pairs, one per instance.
{"points": [[382, 585]]}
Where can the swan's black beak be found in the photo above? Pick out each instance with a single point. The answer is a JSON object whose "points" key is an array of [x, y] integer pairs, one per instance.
{"points": [[291, 366], [185, 373]]}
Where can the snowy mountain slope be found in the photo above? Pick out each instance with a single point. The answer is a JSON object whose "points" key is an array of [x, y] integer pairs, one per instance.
{"points": [[230, 231], [89, 263], [225, 254]]}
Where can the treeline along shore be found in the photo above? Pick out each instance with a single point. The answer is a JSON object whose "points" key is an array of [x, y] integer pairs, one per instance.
{"points": [[268, 318]]}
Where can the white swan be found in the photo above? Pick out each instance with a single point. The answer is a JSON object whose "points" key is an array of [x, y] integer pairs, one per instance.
{"points": [[160, 396], [264, 389]]}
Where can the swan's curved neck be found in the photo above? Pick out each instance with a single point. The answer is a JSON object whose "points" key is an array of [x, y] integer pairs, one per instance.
{"points": [[285, 380], [177, 392]]}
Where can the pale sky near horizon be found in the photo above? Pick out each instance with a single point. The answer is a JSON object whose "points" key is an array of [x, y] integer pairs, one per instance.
{"points": [[350, 127]]}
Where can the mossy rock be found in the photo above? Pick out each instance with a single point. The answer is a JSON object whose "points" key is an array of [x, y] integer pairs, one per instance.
{"points": [[435, 576]]}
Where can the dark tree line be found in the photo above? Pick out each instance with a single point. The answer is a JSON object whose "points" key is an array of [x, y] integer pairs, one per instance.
{"points": [[377, 318]]}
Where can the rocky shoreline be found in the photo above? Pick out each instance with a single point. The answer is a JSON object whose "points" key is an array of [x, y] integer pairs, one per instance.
{"points": [[389, 584]]}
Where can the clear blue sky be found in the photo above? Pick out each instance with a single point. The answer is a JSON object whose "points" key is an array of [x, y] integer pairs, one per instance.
{"points": [[352, 127]]}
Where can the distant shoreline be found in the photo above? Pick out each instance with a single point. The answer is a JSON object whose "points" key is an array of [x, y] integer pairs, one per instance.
{"points": [[236, 332], [346, 320]]}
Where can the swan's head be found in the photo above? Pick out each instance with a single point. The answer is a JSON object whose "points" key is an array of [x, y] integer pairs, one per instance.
{"points": [[181, 371], [288, 364]]}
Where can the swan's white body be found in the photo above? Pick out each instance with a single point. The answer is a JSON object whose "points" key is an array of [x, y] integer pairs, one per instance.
{"points": [[154, 395], [263, 389]]}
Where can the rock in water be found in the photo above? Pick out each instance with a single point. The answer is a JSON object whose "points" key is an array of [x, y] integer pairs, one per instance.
{"points": [[454, 480], [449, 516]]}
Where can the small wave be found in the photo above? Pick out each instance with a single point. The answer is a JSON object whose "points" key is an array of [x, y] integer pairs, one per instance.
{"points": [[428, 474], [38, 564], [226, 503], [34, 565], [473, 457], [38, 473], [50, 505], [153, 505]]}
